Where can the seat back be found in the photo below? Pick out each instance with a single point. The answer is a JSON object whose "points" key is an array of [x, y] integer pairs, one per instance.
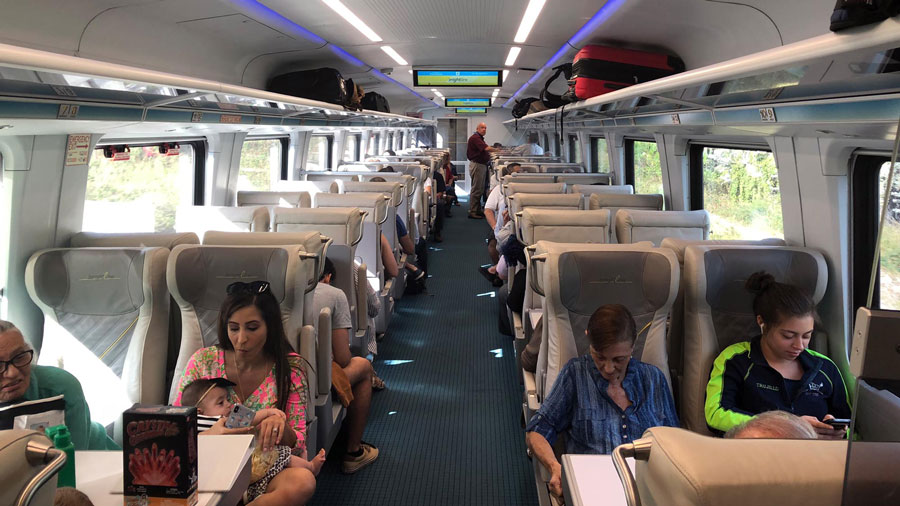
{"points": [[676, 323], [398, 201], [106, 317], [514, 188], [576, 279], [198, 275], [199, 219], [274, 198], [105, 240], [342, 225], [380, 219], [563, 225], [562, 168], [635, 225], [596, 179], [317, 182], [614, 202], [718, 310], [589, 189], [528, 177]]}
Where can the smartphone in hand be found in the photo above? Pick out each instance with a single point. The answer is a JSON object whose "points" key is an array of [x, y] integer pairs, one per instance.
{"points": [[838, 423], [240, 416]]}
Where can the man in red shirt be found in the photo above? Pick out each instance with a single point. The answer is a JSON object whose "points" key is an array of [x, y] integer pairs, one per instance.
{"points": [[479, 154]]}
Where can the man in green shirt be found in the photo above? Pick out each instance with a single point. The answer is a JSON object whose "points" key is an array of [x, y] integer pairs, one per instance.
{"points": [[21, 380]]}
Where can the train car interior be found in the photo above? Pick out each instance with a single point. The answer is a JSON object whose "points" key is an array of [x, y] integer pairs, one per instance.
{"points": [[523, 252]]}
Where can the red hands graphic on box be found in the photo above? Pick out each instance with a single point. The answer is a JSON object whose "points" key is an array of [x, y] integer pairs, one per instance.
{"points": [[154, 467]]}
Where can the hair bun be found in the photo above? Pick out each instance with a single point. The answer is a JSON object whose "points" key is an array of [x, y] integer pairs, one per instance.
{"points": [[758, 282]]}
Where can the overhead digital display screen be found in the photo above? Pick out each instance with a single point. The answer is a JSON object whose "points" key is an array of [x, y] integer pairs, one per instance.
{"points": [[467, 102], [491, 78], [471, 110]]}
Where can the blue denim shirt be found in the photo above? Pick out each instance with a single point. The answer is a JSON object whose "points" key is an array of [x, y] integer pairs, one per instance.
{"points": [[579, 406]]}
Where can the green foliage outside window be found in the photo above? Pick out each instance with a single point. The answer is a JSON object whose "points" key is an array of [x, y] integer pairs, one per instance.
{"points": [[647, 168], [889, 281], [258, 160], [741, 194]]}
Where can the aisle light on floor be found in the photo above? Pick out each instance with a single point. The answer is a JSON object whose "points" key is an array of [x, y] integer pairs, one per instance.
{"points": [[394, 54], [513, 54], [531, 14], [353, 19]]}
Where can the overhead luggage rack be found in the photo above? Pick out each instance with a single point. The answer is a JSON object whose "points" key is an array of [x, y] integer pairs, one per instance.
{"points": [[42, 85], [797, 83]]}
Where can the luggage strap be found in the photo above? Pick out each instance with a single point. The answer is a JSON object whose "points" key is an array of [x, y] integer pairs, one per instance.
{"points": [[552, 100]]}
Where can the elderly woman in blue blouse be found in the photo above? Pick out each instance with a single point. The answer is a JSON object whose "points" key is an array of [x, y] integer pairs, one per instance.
{"points": [[602, 399]]}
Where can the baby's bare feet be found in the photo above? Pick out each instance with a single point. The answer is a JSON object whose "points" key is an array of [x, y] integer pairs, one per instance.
{"points": [[318, 461]]}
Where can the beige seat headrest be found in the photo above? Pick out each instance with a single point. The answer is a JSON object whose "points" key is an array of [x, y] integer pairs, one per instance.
{"points": [[564, 225], [678, 245], [342, 224], [138, 240], [589, 189], [653, 202]]}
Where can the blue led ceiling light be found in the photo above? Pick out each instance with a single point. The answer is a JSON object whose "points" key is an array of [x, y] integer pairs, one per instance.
{"points": [[600, 17]]}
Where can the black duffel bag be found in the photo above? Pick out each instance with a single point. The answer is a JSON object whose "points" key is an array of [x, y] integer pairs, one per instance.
{"points": [[323, 84], [850, 13], [375, 102]]}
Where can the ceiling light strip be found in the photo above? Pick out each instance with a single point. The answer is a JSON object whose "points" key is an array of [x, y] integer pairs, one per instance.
{"points": [[600, 17], [353, 19], [395, 55], [531, 14], [513, 54]]}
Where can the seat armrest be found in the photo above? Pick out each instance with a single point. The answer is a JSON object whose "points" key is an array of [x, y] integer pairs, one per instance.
{"points": [[362, 300], [307, 350], [323, 352], [531, 397]]}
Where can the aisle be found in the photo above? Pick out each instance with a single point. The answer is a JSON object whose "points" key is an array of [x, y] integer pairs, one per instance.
{"points": [[448, 424]]}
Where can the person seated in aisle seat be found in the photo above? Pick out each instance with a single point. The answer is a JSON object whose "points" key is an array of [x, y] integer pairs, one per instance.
{"points": [[530, 148], [356, 371], [22, 380], [602, 399], [449, 180], [775, 370], [442, 210], [497, 216], [389, 152], [773, 425], [254, 354]]}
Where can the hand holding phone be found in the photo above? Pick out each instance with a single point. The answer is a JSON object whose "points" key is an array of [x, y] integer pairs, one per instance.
{"points": [[838, 423], [240, 416]]}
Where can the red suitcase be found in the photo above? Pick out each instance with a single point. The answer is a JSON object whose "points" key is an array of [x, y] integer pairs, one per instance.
{"points": [[600, 69]]}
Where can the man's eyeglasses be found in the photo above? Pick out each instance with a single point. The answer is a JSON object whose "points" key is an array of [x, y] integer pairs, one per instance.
{"points": [[20, 361], [241, 287]]}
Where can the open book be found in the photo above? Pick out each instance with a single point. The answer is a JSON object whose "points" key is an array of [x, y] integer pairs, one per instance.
{"points": [[34, 415]]}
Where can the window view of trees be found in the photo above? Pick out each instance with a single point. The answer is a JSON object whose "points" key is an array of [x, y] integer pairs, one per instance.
{"points": [[574, 149], [599, 155], [351, 147], [260, 162], [317, 158], [890, 241], [741, 194], [140, 194], [647, 168]]}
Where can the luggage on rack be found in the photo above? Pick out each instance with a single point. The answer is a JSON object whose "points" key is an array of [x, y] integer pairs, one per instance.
{"points": [[600, 69], [527, 106], [322, 84], [850, 13], [375, 102]]}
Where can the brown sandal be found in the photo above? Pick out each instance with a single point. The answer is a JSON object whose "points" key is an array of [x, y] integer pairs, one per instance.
{"points": [[377, 383]]}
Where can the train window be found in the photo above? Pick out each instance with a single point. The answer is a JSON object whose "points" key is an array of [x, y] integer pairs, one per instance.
{"points": [[556, 150], [739, 189], [372, 148], [139, 192], [574, 149], [351, 147], [261, 159], [869, 182], [319, 155], [642, 166], [599, 155]]}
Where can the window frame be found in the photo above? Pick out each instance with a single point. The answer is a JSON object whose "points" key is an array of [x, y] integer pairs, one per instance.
{"points": [[329, 149], [285, 147], [574, 146], [695, 167], [864, 196], [356, 150], [595, 153]]}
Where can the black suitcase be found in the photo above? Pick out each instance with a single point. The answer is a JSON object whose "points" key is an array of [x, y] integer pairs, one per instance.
{"points": [[375, 102], [324, 85]]}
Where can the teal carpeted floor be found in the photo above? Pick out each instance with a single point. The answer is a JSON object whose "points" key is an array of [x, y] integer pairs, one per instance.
{"points": [[448, 424]]}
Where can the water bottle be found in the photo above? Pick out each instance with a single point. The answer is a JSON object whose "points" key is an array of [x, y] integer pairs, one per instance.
{"points": [[62, 440]]}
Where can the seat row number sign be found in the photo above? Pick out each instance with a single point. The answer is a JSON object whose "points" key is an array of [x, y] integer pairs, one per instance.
{"points": [[78, 148]]}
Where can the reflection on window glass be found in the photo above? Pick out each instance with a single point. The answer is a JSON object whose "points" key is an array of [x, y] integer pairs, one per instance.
{"points": [[351, 147], [574, 149], [889, 281], [599, 155], [647, 168], [741, 194], [139, 194], [260, 162], [317, 158]]}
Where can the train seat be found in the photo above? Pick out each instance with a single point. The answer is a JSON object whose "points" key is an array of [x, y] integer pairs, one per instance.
{"points": [[561, 168], [128, 240], [576, 279], [528, 177], [634, 225], [588, 189], [614, 202], [522, 201], [199, 219], [274, 198], [718, 309], [514, 188], [596, 179], [676, 322], [106, 317]]}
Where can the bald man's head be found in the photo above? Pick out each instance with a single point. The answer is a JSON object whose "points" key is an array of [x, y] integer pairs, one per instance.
{"points": [[481, 128]]}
